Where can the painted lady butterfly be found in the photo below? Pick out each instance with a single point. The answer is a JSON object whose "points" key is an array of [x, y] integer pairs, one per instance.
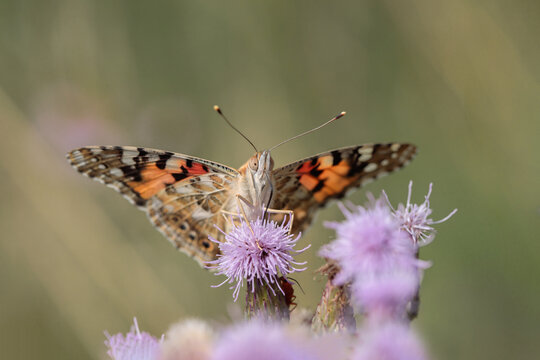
{"points": [[185, 196]]}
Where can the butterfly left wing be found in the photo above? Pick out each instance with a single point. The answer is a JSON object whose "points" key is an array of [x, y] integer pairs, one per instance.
{"points": [[306, 185], [187, 212], [182, 195]]}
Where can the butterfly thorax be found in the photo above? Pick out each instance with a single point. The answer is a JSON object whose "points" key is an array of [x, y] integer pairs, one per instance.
{"points": [[256, 182]]}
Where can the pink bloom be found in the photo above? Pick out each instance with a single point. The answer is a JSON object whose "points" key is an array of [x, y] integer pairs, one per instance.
{"points": [[386, 294], [391, 341], [189, 339], [259, 251], [135, 345], [414, 218], [369, 241], [271, 340], [376, 257]]}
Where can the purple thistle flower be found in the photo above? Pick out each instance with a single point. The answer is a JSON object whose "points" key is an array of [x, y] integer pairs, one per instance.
{"points": [[386, 294], [414, 218], [368, 242], [259, 251], [190, 339], [261, 340], [391, 341], [135, 345], [257, 340], [376, 257]]}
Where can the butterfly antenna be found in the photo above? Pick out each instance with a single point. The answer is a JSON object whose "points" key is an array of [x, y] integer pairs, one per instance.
{"points": [[297, 283], [218, 110], [310, 131]]}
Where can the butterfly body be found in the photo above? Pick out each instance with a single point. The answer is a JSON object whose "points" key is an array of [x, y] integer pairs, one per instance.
{"points": [[256, 183], [185, 197]]}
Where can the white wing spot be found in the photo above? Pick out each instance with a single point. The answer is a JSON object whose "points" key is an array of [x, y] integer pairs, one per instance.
{"points": [[364, 157], [395, 147], [365, 150], [116, 172], [371, 167], [384, 162], [172, 163], [128, 159], [101, 167]]}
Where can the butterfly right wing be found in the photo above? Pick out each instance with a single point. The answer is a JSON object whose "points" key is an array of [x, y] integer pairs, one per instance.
{"points": [[182, 195], [307, 185]]}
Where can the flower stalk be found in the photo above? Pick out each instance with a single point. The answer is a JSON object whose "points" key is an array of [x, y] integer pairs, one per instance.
{"points": [[267, 301], [334, 312]]}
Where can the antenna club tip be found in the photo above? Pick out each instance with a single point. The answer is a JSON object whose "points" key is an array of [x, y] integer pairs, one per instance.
{"points": [[341, 114], [216, 108]]}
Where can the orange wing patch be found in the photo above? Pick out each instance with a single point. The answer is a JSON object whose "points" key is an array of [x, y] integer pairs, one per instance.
{"points": [[330, 175], [139, 173], [324, 177], [308, 184], [152, 179]]}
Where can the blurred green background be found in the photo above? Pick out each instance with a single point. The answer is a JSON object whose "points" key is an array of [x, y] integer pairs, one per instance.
{"points": [[458, 78]]}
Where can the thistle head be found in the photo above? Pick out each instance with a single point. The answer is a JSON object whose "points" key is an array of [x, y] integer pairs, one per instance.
{"points": [[136, 345], [415, 220], [258, 251]]}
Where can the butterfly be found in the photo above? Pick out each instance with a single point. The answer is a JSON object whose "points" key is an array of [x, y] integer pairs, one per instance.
{"points": [[185, 197]]}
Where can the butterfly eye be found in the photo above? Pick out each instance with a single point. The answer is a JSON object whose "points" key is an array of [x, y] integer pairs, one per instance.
{"points": [[253, 163]]}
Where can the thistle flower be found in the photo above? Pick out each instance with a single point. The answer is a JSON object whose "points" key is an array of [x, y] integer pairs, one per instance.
{"points": [[259, 252], [386, 294], [188, 340], [376, 257], [414, 218], [261, 340], [136, 345], [256, 340], [368, 242], [392, 341]]}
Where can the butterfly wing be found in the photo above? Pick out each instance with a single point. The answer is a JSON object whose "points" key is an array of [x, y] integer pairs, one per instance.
{"points": [[182, 195], [306, 185], [188, 211]]}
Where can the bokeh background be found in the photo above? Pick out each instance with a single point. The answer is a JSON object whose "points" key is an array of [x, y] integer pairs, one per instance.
{"points": [[458, 78]]}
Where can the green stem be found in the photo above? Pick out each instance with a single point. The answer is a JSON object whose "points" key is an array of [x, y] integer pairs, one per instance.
{"points": [[265, 303], [334, 313]]}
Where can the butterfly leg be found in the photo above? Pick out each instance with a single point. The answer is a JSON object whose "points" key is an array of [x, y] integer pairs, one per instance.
{"points": [[240, 199], [269, 211], [286, 212], [242, 213]]}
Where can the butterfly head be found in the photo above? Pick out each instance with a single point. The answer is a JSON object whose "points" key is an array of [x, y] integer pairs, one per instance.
{"points": [[258, 171], [261, 163]]}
